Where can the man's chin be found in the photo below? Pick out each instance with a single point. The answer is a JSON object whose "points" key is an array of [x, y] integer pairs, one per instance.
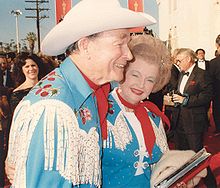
{"points": [[119, 78]]}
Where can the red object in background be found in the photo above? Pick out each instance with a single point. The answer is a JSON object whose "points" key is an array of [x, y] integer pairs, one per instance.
{"points": [[62, 7], [137, 6]]}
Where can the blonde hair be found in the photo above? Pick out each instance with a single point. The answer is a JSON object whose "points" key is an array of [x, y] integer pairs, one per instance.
{"points": [[152, 49]]}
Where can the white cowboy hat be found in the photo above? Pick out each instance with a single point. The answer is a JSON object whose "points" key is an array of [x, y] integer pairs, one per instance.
{"points": [[89, 17]]}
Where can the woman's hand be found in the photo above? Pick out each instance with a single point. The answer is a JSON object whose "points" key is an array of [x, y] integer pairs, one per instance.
{"points": [[10, 171]]}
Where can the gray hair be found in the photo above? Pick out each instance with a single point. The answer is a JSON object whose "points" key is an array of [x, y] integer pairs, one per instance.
{"points": [[154, 50]]}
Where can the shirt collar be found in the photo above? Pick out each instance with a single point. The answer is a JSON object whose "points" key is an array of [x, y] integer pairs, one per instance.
{"points": [[76, 83], [191, 69]]}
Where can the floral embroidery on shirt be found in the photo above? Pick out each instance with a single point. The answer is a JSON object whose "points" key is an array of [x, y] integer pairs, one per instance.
{"points": [[110, 107], [51, 76], [85, 114], [48, 89]]}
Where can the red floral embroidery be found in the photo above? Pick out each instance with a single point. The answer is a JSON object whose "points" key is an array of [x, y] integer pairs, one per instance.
{"points": [[48, 89], [110, 107], [85, 115], [192, 83]]}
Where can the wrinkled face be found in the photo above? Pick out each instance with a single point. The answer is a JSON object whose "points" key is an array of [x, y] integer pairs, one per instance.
{"points": [[183, 62], [30, 69], [109, 54], [3, 63], [140, 78], [201, 55]]}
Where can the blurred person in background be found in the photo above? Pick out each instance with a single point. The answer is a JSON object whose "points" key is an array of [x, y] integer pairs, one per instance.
{"points": [[5, 74], [2, 153], [214, 75], [201, 61], [10, 59], [170, 89], [49, 63]]}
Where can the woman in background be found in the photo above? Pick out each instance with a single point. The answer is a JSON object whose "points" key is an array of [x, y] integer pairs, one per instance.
{"points": [[27, 72]]}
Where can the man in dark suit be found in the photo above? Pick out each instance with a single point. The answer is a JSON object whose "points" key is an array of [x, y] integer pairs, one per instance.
{"points": [[214, 75], [201, 61], [5, 74], [203, 64], [169, 90], [194, 94]]}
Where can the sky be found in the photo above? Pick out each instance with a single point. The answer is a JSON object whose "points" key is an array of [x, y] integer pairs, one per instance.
{"points": [[26, 25]]}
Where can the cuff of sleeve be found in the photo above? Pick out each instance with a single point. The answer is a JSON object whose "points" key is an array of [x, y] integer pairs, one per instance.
{"points": [[186, 99]]}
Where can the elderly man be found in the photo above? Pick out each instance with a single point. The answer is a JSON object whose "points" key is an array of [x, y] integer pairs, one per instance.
{"points": [[57, 131], [194, 94]]}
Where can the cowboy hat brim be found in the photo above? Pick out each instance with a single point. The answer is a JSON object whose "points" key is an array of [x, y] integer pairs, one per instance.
{"points": [[89, 17]]}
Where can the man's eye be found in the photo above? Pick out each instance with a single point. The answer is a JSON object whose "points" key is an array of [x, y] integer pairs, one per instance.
{"points": [[151, 81]]}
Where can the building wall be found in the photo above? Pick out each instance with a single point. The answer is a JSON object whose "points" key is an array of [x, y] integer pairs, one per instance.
{"points": [[190, 23]]}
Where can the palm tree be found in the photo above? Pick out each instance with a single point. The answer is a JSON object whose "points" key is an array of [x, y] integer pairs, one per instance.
{"points": [[7, 47], [1, 46], [31, 38]]}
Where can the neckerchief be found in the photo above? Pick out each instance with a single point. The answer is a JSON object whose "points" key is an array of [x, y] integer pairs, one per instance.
{"points": [[101, 93], [142, 116]]}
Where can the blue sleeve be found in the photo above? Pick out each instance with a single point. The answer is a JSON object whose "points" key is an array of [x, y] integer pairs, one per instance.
{"points": [[36, 176]]}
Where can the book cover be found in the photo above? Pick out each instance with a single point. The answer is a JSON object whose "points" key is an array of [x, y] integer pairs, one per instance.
{"points": [[187, 171]]}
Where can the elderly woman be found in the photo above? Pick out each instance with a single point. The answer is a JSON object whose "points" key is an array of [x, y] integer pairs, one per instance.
{"points": [[57, 130], [136, 138]]}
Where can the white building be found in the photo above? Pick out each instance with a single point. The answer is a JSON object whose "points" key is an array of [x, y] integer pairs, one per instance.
{"points": [[190, 23]]}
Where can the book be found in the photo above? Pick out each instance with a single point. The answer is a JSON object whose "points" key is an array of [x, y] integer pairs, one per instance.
{"points": [[187, 171]]}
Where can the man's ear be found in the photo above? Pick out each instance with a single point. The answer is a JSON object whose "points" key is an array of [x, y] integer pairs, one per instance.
{"points": [[83, 47], [188, 58], [83, 44]]}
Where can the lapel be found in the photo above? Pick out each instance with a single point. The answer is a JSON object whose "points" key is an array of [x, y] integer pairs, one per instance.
{"points": [[8, 78], [191, 78], [179, 81]]}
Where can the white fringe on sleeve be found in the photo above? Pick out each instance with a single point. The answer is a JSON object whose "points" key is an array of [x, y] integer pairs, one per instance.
{"points": [[78, 152]]}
